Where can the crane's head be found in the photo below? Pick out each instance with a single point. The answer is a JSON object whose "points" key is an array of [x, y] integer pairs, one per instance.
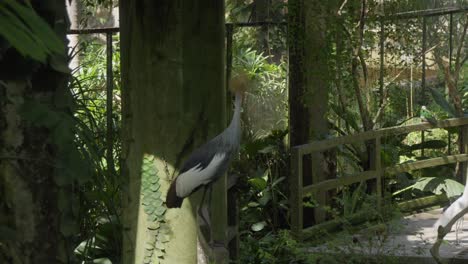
{"points": [[239, 84]]}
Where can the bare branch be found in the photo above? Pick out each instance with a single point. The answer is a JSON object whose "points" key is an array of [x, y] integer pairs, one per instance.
{"points": [[459, 65], [451, 82], [341, 7]]}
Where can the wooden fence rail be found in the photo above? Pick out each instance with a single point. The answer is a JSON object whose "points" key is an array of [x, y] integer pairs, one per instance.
{"points": [[298, 191]]}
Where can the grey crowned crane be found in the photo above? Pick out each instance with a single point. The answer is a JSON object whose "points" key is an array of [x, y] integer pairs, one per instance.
{"points": [[210, 161]]}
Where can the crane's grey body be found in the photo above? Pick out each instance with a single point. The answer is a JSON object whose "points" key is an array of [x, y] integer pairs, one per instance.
{"points": [[207, 163]]}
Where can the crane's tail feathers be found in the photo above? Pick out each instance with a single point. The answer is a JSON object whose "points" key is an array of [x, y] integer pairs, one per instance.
{"points": [[172, 200], [459, 205]]}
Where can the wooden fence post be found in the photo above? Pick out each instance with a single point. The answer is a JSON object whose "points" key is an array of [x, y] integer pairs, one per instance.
{"points": [[464, 150], [378, 169], [295, 196]]}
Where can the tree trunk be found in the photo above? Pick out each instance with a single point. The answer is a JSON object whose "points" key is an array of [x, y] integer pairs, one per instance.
{"points": [[317, 82], [262, 11], [73, 11], [308, 88], [36, 215], [299, 121], [173, 101]]}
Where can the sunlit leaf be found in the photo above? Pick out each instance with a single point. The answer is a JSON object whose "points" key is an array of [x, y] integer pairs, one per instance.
{"points": [[102, 261], [439, 185], [258, 226], [266, 197], [258, 183]]}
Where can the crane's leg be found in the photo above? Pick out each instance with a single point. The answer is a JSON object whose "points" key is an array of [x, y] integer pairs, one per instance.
{"points": [[202, 211], [205, 209]]}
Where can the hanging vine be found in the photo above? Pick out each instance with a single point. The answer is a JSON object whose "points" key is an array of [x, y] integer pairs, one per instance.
{"points": [[158, 230]]}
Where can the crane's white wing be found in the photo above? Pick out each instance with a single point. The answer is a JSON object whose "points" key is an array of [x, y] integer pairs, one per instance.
{"points": [[188, 181], [458, 206]]}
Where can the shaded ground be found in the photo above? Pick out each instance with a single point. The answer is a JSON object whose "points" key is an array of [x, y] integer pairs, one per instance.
{"points": [[406, 241]]}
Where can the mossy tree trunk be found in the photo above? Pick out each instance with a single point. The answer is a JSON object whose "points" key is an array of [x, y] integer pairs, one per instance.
{"points": [[173, 101], [37, 216], [309, 87]]}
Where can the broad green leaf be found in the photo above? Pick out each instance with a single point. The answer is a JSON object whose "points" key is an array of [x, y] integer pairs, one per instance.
{"points": [[267, 149], [258, 183], [154, 225], [14, 31], [59, 63], [39, 27], [429, 144], [439, 185], [102, 261], [253, 204], [266, 197], [258, 226], [429, 184], [442, 102], [81, 248], [453, 188], [160, 211], [27, 32], [160, 245], [149, 246], [280, 179]]}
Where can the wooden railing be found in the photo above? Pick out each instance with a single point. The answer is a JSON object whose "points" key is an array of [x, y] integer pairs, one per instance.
{"points": [[298, 191]]}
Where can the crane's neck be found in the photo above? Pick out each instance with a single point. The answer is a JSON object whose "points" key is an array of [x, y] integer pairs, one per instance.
{"points": [[234, 126], [237, 108]]}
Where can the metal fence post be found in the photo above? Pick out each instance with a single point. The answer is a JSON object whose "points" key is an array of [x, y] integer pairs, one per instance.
{"points": [[109, 104]]}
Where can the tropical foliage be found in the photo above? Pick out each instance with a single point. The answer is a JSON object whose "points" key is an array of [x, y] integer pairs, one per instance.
{"points": [[364, 98]]}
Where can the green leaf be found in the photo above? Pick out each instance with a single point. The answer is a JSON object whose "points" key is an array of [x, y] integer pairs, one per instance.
{"points": [[266, 197], [348, 116], [280, 179], [102, 261], [453, 188], [158, 253], [442, 102], [160, 245], [258, 226], [14, 31], [160, 211], [154, 225], [164, 238], [149, 246], [38, 26], [154, 187], [27, 32], [268, 149], [258, 183], [59, 63], [253, 204], [438, 185], [429, 144]]}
